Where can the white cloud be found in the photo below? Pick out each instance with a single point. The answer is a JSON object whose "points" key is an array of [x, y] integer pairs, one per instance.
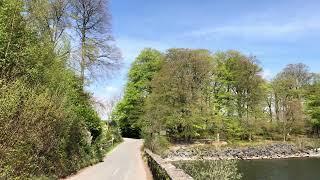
{"points": [[258, 30], [112, 89], [106, 93], [267, 74]]}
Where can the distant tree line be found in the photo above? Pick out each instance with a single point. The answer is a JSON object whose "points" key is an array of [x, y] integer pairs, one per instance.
{"points": [[184, 94], [48, 49]]}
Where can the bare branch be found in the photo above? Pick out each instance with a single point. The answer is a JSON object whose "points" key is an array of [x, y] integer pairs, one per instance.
{"points": [[99, 56]]}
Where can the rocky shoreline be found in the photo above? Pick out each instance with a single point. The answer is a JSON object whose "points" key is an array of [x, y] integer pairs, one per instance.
{"points": [[271, 151]]}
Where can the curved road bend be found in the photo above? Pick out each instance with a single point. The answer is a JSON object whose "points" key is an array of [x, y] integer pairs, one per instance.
{"points": [[122, 163]]}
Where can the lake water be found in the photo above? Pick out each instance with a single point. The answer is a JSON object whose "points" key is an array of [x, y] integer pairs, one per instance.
{"points": [[281, 169]]}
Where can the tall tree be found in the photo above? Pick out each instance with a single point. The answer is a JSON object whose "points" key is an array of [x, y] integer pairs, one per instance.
{"points": [[313, 103], [177, 103], [49, 18], [130, 109], [289, 86], [91, 20], [269, 100], [239, 88]]}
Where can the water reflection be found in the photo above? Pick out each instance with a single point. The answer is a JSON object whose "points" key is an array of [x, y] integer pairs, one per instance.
{"points": [[281, 169]]}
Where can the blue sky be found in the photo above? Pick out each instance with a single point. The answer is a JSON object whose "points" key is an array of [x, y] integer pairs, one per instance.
{"points": [[277, 32]]}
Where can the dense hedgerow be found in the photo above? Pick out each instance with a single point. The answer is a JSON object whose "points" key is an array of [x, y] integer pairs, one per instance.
{"points": [[48, 125]]}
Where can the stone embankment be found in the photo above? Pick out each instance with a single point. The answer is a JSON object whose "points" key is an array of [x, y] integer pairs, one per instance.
{"points": [[272, 151], [162, 169]]}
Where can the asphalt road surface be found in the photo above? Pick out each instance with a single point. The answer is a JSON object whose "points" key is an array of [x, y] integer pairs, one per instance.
{"points": [[122, 163]]}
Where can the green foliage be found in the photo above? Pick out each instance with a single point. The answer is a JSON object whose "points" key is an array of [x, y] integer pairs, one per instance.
{"points": [[176, 100], [156, 143], [17, 44], [233, 129], [238, 89], [289, 86], [49, 128], [214, 170], [129, 111], [187, 94], [313, 104], [157, 171], [197, 94]]}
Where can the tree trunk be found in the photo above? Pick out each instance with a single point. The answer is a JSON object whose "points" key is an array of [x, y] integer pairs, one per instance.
{"points": [[277, 107], [270, 112], [83, 54], [218, 137]]}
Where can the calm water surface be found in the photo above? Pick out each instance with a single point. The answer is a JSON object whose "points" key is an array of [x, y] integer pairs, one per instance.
{"points": [[283, 169]]}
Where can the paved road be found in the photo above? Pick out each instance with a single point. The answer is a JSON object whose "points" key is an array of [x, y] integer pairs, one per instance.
{"points": [[123, 163]]}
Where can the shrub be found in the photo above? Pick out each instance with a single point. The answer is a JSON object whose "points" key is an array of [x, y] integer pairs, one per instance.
{"points": [[215, 170], [48, 126], [158, 144], [42, 135]]}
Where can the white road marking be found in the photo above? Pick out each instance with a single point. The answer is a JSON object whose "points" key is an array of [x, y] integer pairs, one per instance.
{"points": [[115, 171]]}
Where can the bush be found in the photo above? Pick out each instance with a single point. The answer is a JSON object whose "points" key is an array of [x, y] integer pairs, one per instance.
{"points": [[158, 144], [33, 123], [43, 136], [233, 129], [215, 170], [48, 126]]}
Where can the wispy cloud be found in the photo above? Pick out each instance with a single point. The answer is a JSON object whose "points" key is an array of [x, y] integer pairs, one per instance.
{"points": [[102, 93], [258, 30], [111, 89]]}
